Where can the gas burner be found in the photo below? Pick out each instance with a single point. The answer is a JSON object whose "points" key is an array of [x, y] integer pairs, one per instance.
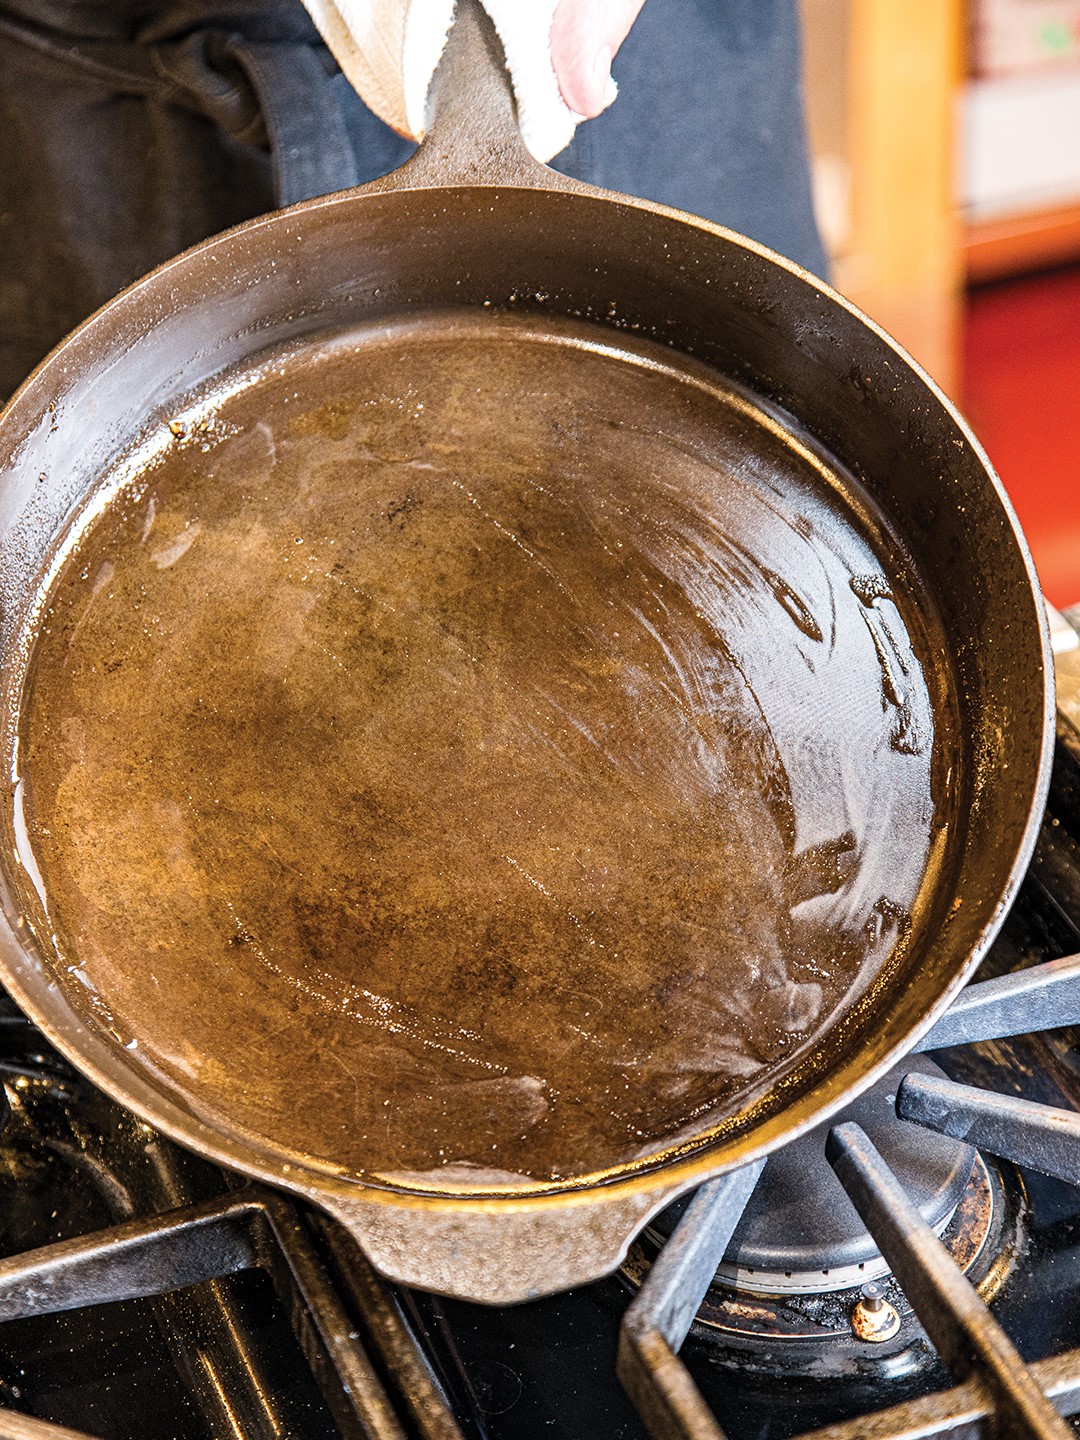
{"points": [[802, 1288], [801, 1235], [866, 1320]]}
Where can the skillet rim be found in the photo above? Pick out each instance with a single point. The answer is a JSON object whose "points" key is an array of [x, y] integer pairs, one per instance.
{"points": [[679, 1167]]}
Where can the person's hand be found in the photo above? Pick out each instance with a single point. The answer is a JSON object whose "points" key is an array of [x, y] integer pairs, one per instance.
{"points": [[585, 34], [390, 61]]}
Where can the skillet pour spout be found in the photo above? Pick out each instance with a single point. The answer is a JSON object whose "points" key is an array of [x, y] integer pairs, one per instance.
{"points": [[517, 701]]}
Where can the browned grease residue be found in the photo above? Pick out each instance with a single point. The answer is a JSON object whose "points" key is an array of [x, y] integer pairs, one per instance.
{"points": [[494, 753]]}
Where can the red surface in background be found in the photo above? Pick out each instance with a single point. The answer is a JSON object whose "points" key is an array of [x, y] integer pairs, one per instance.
{"points": [[1022, 397]]}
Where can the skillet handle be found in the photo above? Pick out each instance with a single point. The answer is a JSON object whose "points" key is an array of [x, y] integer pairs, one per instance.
{"points": [[472, 135], [497, 1251]]}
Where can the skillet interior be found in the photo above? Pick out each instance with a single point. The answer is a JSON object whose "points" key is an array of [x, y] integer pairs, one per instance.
{"points": [[520, 736], [750, 319]]}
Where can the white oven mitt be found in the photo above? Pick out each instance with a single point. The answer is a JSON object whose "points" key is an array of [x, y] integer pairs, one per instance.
{"points": [[389, 50]]}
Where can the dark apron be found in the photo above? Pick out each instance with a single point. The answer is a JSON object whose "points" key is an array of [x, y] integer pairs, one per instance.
{"points": [[133, 129]]}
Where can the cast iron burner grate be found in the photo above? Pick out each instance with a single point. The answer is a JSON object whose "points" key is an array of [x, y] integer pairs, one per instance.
{"points": [[246, 1229]]}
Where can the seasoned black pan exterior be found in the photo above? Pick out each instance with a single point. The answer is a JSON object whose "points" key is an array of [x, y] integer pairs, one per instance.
{"points": [[469, 228]]}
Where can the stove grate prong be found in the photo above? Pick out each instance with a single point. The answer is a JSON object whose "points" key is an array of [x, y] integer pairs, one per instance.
{"points": [[1042, 997], [132, 1260], [961, 1413], [963, 1331], [1042, 1137], [659, 1317], [381, 1310]]}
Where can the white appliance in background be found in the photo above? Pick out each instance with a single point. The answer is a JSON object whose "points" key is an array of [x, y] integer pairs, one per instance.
{"points": [[1020, 141]]}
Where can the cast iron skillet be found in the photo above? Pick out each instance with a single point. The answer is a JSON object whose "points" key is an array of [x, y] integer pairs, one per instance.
{"points": [[786, 680]]}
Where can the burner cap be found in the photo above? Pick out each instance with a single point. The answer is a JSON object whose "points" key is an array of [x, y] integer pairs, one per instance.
{"points": [[800, 1226]]}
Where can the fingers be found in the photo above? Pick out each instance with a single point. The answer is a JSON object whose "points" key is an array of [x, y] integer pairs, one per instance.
{"points": [[585, 34]]}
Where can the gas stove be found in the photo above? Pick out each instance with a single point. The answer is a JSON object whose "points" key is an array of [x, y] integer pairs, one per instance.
{"points": [[882, 1277]]}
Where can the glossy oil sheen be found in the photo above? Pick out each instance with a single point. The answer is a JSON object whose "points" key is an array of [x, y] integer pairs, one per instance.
{"points": [[472, 753]]}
